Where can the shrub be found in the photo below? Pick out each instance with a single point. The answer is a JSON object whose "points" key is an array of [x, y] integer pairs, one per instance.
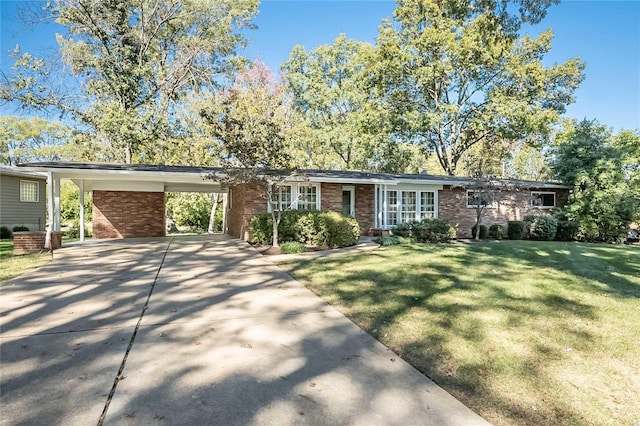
{"points": [[496, 231], [567, 230], [528, 220], [544, 228], [20, 229], [74, 232], [515, 230], [330, 229], [403, 229], [190, 209], [387, 240], [5, 233], [291, 247], [483, 231], [342, 231], [426, 231]]}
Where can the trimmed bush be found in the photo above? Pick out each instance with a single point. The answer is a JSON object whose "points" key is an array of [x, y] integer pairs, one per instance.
{"points": [[20, 229], [5, 233], [291, 247], [426, 231], [496, 231], [483, 231], [515, 230], [329, 229], [342, 231], [544, 228]]}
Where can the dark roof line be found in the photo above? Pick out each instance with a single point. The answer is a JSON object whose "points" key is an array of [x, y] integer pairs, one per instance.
{"points": [[316, 173]]}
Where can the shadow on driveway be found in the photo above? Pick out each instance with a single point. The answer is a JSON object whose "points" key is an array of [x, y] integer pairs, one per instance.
{"points": [[224, 338]]}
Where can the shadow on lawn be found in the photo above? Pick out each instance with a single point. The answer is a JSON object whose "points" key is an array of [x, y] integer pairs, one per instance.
{"points": [[390, 287]]}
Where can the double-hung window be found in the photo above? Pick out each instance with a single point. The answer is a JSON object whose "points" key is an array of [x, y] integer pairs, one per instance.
{"points": [[307, 197], [427, 205], [282, 197], [392, 208], [409, 206]]}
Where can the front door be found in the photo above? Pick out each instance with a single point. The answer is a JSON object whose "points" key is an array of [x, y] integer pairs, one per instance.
{"points": [[348, 200]]}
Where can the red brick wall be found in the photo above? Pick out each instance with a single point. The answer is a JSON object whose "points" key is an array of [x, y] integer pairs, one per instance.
{"points": [[510, 205], [331, 200], [245, 202], [331, 197], [365, 208], [126, 214], [31, 242]]}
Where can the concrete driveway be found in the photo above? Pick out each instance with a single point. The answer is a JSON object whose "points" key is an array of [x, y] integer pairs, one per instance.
{"points": [[194, 331]]}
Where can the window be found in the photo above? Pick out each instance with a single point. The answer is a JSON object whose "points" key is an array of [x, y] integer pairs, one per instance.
{"points": [[479, 198], [29, 191], [427, 205], [282, 197], [392, 208], [409, 206], [307, 197], [405, 205], [543, 200]]}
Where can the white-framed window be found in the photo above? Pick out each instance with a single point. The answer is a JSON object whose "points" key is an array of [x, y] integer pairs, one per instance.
{"points": [[296, 196], [29, 191], [479, 198], [282, 197], [543, 200], [307, 197], [409, 206], [427, 205], [392, 208], [404, 204]]}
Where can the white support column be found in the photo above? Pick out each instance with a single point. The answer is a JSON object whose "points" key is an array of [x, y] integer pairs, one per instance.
{"points": [[81, 186], [385, 207], [376, 189], [56, 203], [47, 241]]}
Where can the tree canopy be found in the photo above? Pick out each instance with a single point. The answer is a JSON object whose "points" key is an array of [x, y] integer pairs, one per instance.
{"points": [[128, 64], [456, 73], [25, 140]]}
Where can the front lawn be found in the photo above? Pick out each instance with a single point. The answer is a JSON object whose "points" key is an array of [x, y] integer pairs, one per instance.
{"points": [[522, 332], [13, 266]]}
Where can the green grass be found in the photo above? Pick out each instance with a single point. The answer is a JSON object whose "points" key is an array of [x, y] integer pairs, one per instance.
{"points": [[13, 266], [522, 332]]}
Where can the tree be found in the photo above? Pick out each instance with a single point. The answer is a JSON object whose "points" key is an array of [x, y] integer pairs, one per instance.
{"points": [[346, 129], [456, 74], [603, 201], [129, 63], [254, 124], [34, 139]]}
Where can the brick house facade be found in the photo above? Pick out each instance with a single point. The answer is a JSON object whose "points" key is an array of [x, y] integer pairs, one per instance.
{"points": [[129, 199]]}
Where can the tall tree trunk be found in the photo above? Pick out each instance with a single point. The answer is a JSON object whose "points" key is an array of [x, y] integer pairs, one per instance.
{"points": [[276, 222], [212, 218]]}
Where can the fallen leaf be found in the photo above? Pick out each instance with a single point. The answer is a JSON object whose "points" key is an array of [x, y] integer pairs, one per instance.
{"points": [[312, 384], [482, 372], [120, 377], [392, 359], [246, 345], [130, 415], [197, 343]]}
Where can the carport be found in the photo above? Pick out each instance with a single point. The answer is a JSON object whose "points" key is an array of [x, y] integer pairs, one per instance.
{"points": [[128, 199]]}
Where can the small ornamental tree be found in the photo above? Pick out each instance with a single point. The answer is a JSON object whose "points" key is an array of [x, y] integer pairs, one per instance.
{"points": [[253, 123]]}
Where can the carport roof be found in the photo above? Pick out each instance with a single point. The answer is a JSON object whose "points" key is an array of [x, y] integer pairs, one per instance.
{"points": [[197, 175]]}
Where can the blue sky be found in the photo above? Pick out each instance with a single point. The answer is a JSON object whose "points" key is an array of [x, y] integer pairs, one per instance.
{"points": [[604, 34]]}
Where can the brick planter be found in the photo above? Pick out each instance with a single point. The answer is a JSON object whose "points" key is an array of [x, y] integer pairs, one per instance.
{"points": [[33, 242]]}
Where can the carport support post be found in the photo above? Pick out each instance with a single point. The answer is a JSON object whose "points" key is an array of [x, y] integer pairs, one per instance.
{"points": [[56, 202], [81, 186], [47, 240], [225, 197]]}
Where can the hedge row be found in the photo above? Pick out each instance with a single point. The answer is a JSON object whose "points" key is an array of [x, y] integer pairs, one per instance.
{"points": [[325, 229], [427, 231]]}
